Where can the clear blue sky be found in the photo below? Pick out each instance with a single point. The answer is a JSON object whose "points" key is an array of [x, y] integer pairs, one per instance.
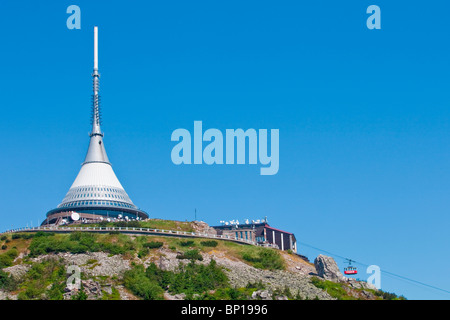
{"points": [[364, 118]]}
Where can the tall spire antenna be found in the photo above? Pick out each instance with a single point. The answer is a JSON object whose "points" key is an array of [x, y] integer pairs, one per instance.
{"points": [[95, 49], [106, 197], [96, 87]]}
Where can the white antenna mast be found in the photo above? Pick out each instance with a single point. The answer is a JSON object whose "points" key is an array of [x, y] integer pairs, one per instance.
{"points": [[95, 49], [96, 88]]}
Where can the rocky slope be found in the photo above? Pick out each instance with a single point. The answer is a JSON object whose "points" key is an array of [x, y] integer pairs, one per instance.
{"points": [[102, 274]]}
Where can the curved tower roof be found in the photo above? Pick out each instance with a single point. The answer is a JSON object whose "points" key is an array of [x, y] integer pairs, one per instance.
{"points": [[96, 189]]}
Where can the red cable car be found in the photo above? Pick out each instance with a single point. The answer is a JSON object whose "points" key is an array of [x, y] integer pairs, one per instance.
{"points": [[350, 269]]}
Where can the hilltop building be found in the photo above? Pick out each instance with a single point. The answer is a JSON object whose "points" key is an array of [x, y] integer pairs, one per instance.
{"points": [[261, 233], [96, 193]]}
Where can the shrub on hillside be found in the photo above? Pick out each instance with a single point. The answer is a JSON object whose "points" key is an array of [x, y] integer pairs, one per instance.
{"points": [[22, 236], [77, 242], [191, 255], [44, 234], [265, 259], [153, 244], [198, 278], [209, 243], [336, 290], [137, 281], [7, 282], [189, 279], [36, 281], [7, 258], [188, 243], [388, 295]]}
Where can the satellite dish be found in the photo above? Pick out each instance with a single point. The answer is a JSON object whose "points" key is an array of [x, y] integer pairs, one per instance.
{"points": [[75, 216]]}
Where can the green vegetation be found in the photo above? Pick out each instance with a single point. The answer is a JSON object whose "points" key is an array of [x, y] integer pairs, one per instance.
{"points": [[137, 281], [143, 253], [147, 246], [46, 279], [153, 244], [210, 243], [82, 242], [287, 292], [7, 258], [7, 282], [122, 224], [387, 295], [188, 243], [91, 261], [150, 223], [81, 295], [29, 235], [191, 255], [166, 225], [78, 242], [191, 279], [114, 295], [336, 290], [263, 258]]}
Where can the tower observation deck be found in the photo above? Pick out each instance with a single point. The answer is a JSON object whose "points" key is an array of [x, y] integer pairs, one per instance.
{"points": [[96, 193]]}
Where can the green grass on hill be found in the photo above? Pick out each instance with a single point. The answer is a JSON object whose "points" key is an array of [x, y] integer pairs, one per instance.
{"points": [[341, 291], [150, 223], [198, 281], [40, 243]]}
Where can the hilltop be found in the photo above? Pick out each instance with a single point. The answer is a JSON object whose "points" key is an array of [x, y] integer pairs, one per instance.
{"points": [[116, 266]]}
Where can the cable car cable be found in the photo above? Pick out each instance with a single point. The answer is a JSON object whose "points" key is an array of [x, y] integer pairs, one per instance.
{"points": [[384, 271]]}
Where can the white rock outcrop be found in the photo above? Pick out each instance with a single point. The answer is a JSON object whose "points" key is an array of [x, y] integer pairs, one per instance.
{"points": [[327, 268]]}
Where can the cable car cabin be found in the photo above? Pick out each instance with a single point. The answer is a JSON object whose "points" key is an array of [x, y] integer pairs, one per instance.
{"points": [[350, 270]]}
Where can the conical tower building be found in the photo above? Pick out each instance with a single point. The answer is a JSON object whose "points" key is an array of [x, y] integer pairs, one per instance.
{"points": [[96, 193]]}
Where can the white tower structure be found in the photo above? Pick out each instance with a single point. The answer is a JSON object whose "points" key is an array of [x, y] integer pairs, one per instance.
{"points": [[96, 193]]}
